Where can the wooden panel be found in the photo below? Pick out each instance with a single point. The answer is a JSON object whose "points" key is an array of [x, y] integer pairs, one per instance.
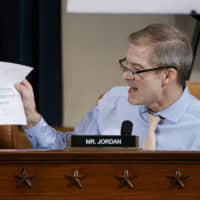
{"points": [[100, 180], [8, 136], [100, 170]]}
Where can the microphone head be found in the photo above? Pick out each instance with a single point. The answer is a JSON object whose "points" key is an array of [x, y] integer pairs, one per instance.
{"points": [[126, 128]]}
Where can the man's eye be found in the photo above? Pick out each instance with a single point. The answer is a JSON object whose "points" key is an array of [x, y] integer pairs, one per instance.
{"points": [[135, 69]]}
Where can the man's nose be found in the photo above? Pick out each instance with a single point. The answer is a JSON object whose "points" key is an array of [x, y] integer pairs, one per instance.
{"points": [[127, 75]]}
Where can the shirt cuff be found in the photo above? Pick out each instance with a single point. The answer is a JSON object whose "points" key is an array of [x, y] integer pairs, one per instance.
{"points": [[36, 129]]}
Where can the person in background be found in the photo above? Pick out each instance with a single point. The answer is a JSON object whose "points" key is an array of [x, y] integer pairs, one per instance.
{"points": [[155, 67]]}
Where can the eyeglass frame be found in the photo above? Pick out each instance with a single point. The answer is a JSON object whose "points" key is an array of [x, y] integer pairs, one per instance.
{"points": [[145, 70]]}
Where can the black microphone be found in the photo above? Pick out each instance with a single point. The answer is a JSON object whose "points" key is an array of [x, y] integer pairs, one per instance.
{"points": [[126, 128]]}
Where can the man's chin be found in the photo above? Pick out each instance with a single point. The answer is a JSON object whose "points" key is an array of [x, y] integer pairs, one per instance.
{"points": [[133, 101]]}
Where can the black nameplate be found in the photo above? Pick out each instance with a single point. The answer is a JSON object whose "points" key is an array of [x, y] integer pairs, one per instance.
{"points": [[102, 141]]}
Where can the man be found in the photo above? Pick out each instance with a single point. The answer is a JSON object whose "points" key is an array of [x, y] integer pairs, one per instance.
{"points": [[155, 67]]}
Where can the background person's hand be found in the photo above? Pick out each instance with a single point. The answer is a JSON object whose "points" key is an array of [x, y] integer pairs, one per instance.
{"points": [[26, 91]]}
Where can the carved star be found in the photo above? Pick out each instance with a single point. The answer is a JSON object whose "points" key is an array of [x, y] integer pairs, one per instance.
{"points": [[177, 180], [75, 179], [24, 179], [125, 179]]}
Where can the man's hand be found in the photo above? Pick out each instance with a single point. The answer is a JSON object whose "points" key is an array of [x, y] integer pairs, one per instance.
{"points": [[26, 91]]}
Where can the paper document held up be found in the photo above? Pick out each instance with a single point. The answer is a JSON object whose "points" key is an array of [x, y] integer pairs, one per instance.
{"points": [[11, 107]]}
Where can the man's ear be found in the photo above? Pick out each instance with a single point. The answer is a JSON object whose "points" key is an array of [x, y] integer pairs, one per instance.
{"points": [[169, 76]]}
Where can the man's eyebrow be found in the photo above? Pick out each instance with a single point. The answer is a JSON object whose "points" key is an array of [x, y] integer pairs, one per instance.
{"points": [[137, 65]]}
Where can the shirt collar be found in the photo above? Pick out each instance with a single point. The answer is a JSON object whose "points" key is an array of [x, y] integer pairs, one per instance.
{"points": [[176, 110]]}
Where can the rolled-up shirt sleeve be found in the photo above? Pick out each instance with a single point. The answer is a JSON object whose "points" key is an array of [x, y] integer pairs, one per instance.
{"points": [[43, 136]]}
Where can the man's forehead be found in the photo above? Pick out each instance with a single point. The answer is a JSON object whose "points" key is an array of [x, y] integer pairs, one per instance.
{"points": [[141, 54], [144, 40], [139, 50]]}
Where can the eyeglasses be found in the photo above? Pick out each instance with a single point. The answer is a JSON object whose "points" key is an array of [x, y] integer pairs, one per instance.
{"points": [[124, 68]]}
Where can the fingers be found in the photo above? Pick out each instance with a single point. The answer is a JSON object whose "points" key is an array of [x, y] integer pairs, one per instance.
{"points": [[26, 84], [25, 89], [20, 87]]}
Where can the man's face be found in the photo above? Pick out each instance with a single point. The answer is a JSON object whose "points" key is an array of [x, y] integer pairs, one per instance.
{"points": [[145, 88]]}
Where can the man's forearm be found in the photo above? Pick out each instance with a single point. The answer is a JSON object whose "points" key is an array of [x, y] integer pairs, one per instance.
{"points": [[32, 119]]}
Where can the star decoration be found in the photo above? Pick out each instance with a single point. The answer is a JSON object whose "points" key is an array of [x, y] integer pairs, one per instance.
{"points": [[75, 179], [24, 178], [125, 179], [177, 180]]}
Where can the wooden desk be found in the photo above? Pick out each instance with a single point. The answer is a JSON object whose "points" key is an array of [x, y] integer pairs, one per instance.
{"points": [[47, 175]]}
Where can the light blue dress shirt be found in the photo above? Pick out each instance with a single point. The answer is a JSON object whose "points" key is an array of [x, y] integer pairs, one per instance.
{"points": [[179, 128]]}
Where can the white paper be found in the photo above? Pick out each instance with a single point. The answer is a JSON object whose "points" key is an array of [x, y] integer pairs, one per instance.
{"points": [[11, 107], [133, 6]]}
